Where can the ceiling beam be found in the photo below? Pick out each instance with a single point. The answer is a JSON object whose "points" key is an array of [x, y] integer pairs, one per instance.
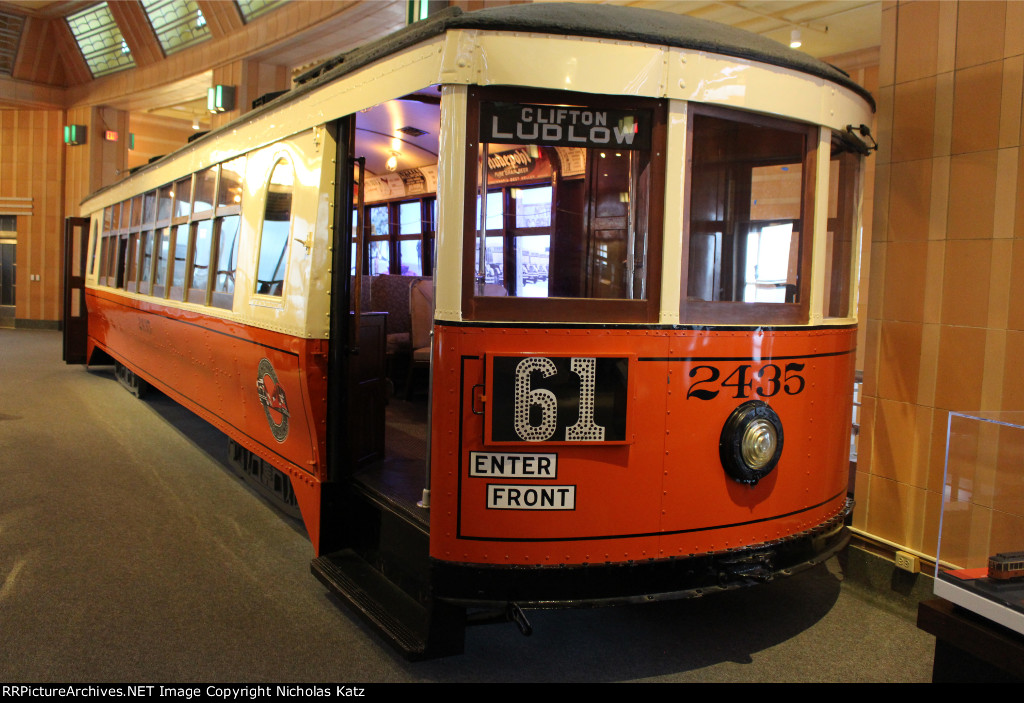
{"points": [[223, 18], [23, 95], [137, 32], [44, 9]]}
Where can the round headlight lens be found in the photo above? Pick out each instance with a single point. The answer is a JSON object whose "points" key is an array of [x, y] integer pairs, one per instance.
{"points": [[758, 445]]}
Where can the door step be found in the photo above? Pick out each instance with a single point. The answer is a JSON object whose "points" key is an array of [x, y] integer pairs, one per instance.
{"points": [[417, 630]]}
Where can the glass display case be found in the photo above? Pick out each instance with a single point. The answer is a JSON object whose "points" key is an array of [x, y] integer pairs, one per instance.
{"points": [[980, 559]]}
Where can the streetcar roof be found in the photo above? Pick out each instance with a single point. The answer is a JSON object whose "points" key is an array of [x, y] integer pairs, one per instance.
{"points": [[599, 21]]}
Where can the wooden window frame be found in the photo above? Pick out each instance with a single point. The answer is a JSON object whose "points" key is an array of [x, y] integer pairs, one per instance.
{"points": [[602, 310], [426, 236], [739, 312]]}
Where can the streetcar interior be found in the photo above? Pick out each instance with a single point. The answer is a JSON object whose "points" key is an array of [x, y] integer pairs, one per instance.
{"points": [[394, 219]]}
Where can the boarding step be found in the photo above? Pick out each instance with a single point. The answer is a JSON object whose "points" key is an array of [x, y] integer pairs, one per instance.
{"points": [[417, 630]]}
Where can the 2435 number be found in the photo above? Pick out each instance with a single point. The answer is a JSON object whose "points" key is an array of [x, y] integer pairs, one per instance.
{"points": [[746, 380]]}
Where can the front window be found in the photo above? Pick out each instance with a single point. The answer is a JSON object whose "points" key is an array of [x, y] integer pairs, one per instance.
{"points": [[749, 218], [568, 207]]}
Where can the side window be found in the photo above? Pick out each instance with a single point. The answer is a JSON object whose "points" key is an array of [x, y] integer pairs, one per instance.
{"points": [[104, 245], [163, 253], [749, 204], [181, 245], [145, 262], [201, 239], [201, 261], [226, 261], [162, 240], [226, 233], [276, 231], [146, 242], [379, 240], [843, 227], [179, 261], [93, 241], [410, 238]]}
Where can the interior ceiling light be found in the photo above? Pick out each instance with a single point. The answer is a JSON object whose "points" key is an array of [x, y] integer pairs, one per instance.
{"points": [[794, 39], [195, 123], [392, 162]]}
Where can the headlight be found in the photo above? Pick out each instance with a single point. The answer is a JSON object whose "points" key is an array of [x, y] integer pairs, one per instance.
{"points": [[751, 442]]}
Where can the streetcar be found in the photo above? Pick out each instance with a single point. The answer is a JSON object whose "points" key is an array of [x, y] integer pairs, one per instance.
{"points": [[1006, 566], [528, 307]]}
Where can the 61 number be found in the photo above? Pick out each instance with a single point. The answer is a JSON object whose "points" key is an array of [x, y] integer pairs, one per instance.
{"points": [[770, 380], [585, 429]]}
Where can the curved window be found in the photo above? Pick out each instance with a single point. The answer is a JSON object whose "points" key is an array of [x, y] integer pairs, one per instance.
{"points": [[843, 232], [277, 217]]}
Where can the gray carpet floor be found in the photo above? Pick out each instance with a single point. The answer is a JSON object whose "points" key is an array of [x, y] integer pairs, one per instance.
{"points": [[129, 552]]}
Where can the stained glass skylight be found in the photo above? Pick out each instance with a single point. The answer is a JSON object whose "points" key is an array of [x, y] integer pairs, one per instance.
{"points": [[251, 9], [100, 40], [178, 24]]}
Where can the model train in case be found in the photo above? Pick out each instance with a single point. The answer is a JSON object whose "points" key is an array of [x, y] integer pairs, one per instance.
{"points": [[610, 257]]}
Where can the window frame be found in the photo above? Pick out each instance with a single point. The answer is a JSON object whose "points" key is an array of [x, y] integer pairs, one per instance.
{"points": [[739, 312], [571, 310], [426, 237], [286, 158], [841, 275]]}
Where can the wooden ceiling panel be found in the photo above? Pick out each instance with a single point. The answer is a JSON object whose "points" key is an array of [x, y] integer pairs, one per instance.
{"points": [[48, 54]]}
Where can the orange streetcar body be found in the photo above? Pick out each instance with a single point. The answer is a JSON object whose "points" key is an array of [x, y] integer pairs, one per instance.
{"points": [[623, 248], [660, 493], [213, 368]]}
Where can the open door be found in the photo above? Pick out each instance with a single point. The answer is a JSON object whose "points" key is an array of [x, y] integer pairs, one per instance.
{"points": [[374, 538], [76, 322], [356, 396]]}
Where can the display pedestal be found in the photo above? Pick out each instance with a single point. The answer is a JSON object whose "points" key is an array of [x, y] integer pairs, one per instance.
{"points": [[970, 648]]}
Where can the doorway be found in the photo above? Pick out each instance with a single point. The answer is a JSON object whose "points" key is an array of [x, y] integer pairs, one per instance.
{"points": [[8, 267]]}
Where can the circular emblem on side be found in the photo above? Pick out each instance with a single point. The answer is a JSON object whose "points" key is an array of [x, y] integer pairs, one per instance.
{"points": [[751, 442], [273, 400]]}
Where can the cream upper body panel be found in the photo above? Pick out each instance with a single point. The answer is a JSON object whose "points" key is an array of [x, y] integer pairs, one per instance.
{"points": [[298, 160], [292, 127]]}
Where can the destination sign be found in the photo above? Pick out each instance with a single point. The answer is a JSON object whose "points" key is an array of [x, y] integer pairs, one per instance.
{"points": [[554, 125]]}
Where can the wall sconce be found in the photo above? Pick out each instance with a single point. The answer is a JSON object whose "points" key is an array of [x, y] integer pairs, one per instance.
{"points": [[220, 98], [74, 134], [794, 39]]}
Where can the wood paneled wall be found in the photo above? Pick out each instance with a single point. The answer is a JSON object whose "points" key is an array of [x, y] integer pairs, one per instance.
{"points": [[32, 166], [251, 79], [155, 136], [945, 323]]}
